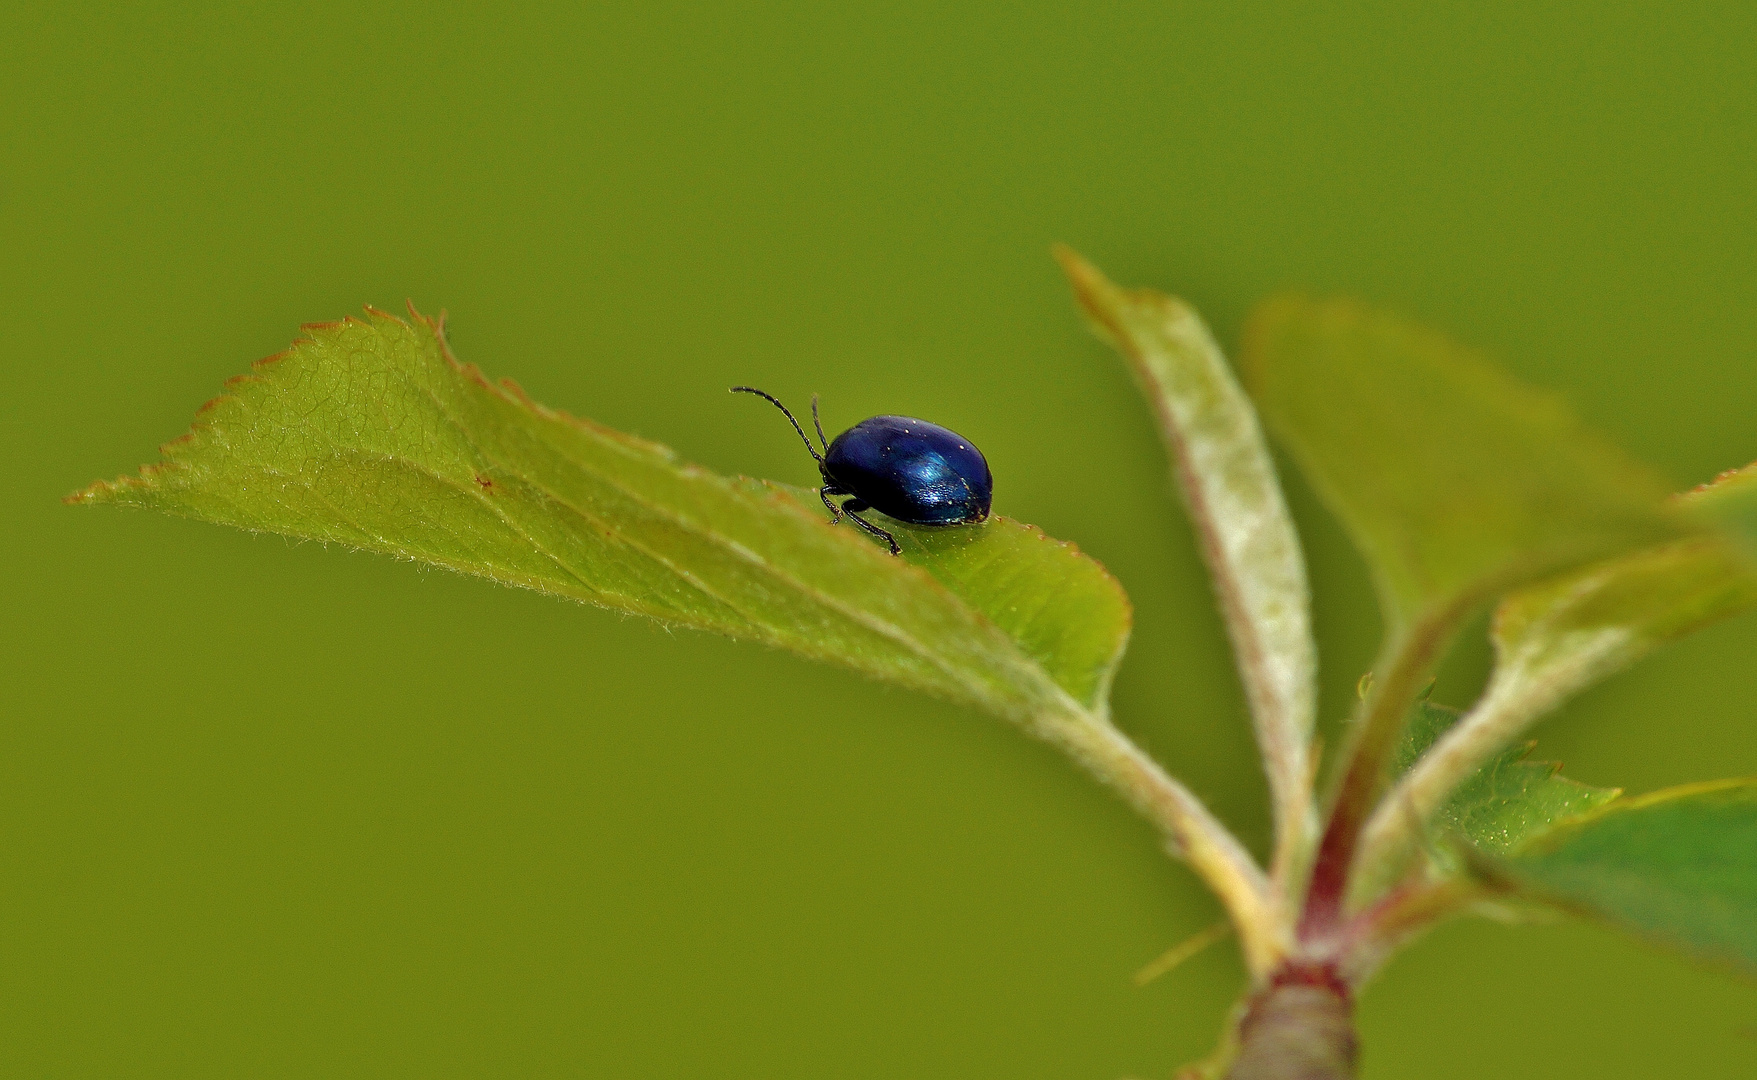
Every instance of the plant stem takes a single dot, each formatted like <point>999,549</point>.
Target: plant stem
<point>1399,917</point>
<point>1299,1027</point>
<point>1410,656</point>
<point>1191,830</point>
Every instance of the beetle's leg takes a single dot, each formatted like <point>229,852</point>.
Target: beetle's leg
<point>824,493</point>
<point>851,508</point>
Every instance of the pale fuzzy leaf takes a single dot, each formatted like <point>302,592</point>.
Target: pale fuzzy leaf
<point>1247,537</point>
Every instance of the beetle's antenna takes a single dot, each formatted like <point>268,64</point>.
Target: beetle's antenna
<point>816,423</point>
<point>810,449</point>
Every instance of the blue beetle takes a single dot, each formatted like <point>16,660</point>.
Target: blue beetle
<point>908,469</point>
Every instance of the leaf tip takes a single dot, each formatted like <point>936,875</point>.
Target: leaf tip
<point>1076,266</point>
<point>112,491</point>
<point>1096,294</point>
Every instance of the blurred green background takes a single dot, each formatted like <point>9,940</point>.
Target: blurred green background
<point>273,810</point>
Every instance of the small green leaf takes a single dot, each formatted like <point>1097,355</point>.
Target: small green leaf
<point>369,434</point>
<point>1427,722</point>
<point>1455,480</point>
<point>1678,865</point>
<point>1507,801</point>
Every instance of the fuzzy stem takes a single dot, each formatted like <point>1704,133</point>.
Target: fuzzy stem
<point>1299,1027</point>
<point>1410,656</point>
<point>1399,917</point>
<point>1192,831</point>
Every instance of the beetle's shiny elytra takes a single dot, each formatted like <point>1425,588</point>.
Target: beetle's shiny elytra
<point>908,469</point>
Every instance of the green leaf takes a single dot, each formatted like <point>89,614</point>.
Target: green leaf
<point>1455,480</point>
<point>1556,637</point>
<point>1679,866</point>
<point>1507,801</point>
<point>369,434</point>
<point>1227,477</point>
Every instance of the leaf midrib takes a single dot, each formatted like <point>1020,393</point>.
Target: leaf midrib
<point>882,627</point>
